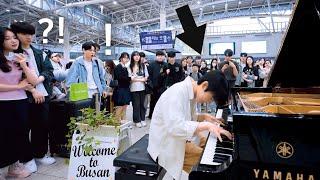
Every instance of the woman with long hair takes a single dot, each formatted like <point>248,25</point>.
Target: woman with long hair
<point>184,67</point>
<point>214,64</point>
<point>139,74</point>
<point>15,79</point>
<point>121,93</point>
<point>264,72</point>
<point>250,73</point>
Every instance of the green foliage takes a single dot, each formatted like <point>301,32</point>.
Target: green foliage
<point>93,119</point>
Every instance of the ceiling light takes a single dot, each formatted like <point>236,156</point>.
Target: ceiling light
<point>201,9</point>
<point>226,7</point>
<point>101,7</point>
<point>8,10</point>
<point>115,2</point>
<point>213,6</point>
<point>239,2</point>
<point>198,2</point>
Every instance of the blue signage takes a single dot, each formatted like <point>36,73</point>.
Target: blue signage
<point>156,40</point>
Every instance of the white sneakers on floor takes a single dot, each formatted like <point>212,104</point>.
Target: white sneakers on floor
<point>143,123</point>
<point>18,170</point>
<point>31,166</point>
<point>46,160</point>
<point>139,125</point>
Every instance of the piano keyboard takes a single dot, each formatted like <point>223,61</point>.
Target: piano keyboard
<point>216,152</point>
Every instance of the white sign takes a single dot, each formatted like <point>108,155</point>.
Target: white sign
<point>98,164</point>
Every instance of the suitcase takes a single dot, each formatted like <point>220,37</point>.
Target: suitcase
<point>59,116</point>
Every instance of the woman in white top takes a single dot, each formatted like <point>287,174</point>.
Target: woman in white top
<point>139,75</point>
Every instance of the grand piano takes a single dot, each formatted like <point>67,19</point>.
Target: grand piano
<point>275,128</point>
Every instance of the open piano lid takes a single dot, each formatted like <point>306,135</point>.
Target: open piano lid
<point>298,61</point>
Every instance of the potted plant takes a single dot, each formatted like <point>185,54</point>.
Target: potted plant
<point>95,123</point>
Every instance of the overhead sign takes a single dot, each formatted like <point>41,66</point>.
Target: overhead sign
<point>97,164</point>
<point>156,40</point>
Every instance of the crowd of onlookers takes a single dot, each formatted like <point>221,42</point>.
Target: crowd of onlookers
<point>30,79</point>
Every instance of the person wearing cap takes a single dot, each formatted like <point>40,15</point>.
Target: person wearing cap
<point>243,61</point>
<point>156,76</point>
<point>175,123</point>
<point>229,68</point>
<point>174,72</point>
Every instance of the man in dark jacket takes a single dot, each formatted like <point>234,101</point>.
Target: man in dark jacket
<point>156,75</point>
<point>173,71</point>
<point>39,107</point>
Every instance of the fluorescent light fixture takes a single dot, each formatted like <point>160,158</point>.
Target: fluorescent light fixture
<point>198,2</point>
<point>239,2</point>
<point>8,10</point>
<point>115,2</point>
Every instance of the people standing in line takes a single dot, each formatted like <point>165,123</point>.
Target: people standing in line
<point>38,119</point>
<point>87,69</point>
<point>121,93</point>
<point>250,73</point>
<point>156,75</point>
<point>139,75</point>
<point>173,71</point>
<point>229,68</point>
<point>243,63</point>
<point>15,79</point>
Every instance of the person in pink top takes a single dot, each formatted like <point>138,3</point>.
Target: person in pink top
<point>15,78</point>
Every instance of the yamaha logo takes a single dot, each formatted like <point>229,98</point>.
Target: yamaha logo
<point>284,150</point>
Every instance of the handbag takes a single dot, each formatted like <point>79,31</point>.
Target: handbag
<point>78,91</point>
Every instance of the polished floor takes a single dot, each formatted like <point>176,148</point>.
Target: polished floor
<point>59,170</point>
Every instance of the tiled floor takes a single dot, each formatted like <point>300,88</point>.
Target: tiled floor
<point>59,170</point>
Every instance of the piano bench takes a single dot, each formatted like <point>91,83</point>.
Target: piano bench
<point>136,164</point>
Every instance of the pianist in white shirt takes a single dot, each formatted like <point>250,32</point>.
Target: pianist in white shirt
<point>174,121</point>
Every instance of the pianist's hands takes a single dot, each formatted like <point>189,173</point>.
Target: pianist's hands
<point>210,118</point>
<point>218,131</point>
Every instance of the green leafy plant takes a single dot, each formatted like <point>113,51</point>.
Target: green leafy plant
<point>93,120</point>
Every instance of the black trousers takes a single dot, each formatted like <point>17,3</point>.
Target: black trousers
<point>153,101</point>
<point>38,124</point>
<point>139,110</point>
<point>13,138</point>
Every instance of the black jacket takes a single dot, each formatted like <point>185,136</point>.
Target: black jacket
<point>157,74</point>
<point>121,74</point>
<point>45,69</point>
<point>176,74</point>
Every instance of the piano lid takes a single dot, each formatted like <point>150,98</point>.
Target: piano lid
<point>298,61</point>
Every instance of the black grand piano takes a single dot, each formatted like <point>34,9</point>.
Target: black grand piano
<point>276,129</point>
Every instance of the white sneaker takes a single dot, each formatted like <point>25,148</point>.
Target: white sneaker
<point>143,123</point>
<point>17,170</point>
<point>31,166</point>
<point>46,160</point>
<point>138,125</point>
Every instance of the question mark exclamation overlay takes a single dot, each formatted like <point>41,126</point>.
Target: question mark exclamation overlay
<point>47,30</point>
<point>108,38</point>
<point>61,28</point>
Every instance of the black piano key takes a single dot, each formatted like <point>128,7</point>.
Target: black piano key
<point>225,145</point>
<point>221,156</point>
<point>219,160</point>
<point>224,151</point>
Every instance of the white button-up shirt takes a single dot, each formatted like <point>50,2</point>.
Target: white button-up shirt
<point>172,125</point>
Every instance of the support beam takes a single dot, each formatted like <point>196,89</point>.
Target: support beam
<point>270,11</point>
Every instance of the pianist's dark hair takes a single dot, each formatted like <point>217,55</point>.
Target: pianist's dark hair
<point>218,84</point>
